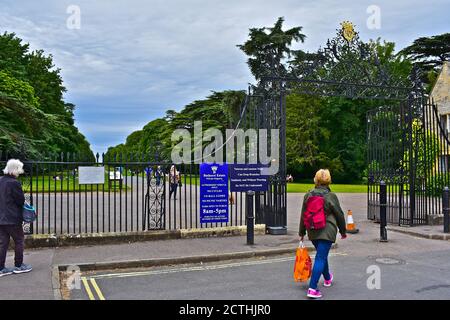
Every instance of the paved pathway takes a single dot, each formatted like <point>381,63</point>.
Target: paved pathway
<point>352,258</point>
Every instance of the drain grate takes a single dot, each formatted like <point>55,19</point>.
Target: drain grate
<point>387,260</point>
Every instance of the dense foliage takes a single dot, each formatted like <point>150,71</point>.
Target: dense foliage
<point>34,118</point>
<point>429,53</point>
<point>269,46</point>
<point>321,131</point>
<point>220,110</point>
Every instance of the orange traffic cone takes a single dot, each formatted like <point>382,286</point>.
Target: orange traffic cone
<point>351,226</point>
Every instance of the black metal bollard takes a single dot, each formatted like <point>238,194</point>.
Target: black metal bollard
<point>383,207</point>
<point>250,217</point>
<point>446,209</point>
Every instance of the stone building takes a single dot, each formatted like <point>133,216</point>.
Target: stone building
<point>441,95</point>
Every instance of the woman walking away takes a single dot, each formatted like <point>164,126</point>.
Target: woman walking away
<point>174,180</point>
<point>321,217</point>
<point>12,200</point>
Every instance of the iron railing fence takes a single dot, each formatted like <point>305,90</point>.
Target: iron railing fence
<point>408,149</point>
<point>137,195</point>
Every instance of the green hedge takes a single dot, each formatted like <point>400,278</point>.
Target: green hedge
<point>435,184</point>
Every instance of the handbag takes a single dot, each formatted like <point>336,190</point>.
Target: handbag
<point>29,213</point>
<point>303,264</point>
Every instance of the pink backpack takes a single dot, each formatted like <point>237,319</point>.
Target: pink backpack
<point>314,217</point>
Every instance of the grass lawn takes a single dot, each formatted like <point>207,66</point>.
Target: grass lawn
<point>47,184</point>
<point>344,188</point>
<point>305,187</point>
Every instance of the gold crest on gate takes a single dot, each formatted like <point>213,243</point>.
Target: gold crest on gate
<point>348,30</point>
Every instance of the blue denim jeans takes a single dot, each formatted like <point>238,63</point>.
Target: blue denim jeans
<point>320,262</point>
<point>173,189</point>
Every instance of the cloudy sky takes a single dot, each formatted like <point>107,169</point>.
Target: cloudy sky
<point>131,60</point>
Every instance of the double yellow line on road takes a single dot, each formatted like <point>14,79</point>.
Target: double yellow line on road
<point>94,284</point>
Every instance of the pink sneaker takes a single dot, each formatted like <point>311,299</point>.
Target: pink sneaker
<point>327,283</point>
<point>315,294</point>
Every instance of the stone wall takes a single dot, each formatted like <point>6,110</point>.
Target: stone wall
<point>441,90</point>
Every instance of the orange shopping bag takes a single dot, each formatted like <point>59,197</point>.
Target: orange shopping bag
<point>303,265</point>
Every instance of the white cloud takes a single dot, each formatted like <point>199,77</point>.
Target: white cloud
<point>146,56</point>
<point>95,127</point>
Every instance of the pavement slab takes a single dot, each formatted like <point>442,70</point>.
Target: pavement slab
<point>36,285</point>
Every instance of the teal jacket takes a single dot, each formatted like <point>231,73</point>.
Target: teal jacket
<point>334,214</point>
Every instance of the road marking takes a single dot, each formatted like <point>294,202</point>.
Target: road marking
<point>95,286</point>
<point>88,289</point>
<point>97,289</point>
<point>198,268</point>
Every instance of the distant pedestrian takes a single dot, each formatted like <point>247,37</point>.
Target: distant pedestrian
<point>158,175</point>
<point>12,200</point>
<point>148,172</point>
<point>321,217</point>
<point>174,181</point>
<point>149,175</point>
<point>231,198</point>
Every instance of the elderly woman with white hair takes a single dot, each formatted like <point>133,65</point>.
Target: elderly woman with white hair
<point>12,200</point>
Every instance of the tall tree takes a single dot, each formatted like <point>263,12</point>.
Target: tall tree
<point>219,110</point>
<point>269,47</point>
<point>429,52</point>
<point>47,82</point>
<point>13,55</point>
<point>305,134</point>
<point>31,88</point>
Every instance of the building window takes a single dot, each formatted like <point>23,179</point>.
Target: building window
<point>444,161</point>
<point>447,123</point>
<point>444,123</point>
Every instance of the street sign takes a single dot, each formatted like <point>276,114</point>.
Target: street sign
<point>213,193</point>
<point>248,177</point>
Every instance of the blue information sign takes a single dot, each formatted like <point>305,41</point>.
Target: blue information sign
<point>213,193</point>
<point>248,177</point>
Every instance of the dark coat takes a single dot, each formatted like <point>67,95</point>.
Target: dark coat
<point>334,216</point>
<point>11,201</point>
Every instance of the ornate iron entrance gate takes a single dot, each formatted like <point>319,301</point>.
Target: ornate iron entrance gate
<point>407,146</point>
<point>408,149</point>
<point>266,111</point>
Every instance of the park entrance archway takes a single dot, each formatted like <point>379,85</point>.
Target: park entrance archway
<point>407,147</point>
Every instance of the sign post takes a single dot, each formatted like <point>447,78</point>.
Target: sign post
<point>248,178</point>
<point>250,218</point>
<point>383,205</point>
<point>446,209</point>
<point>213,193</point>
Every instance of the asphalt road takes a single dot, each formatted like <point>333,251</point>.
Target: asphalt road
<point>421,270</point>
